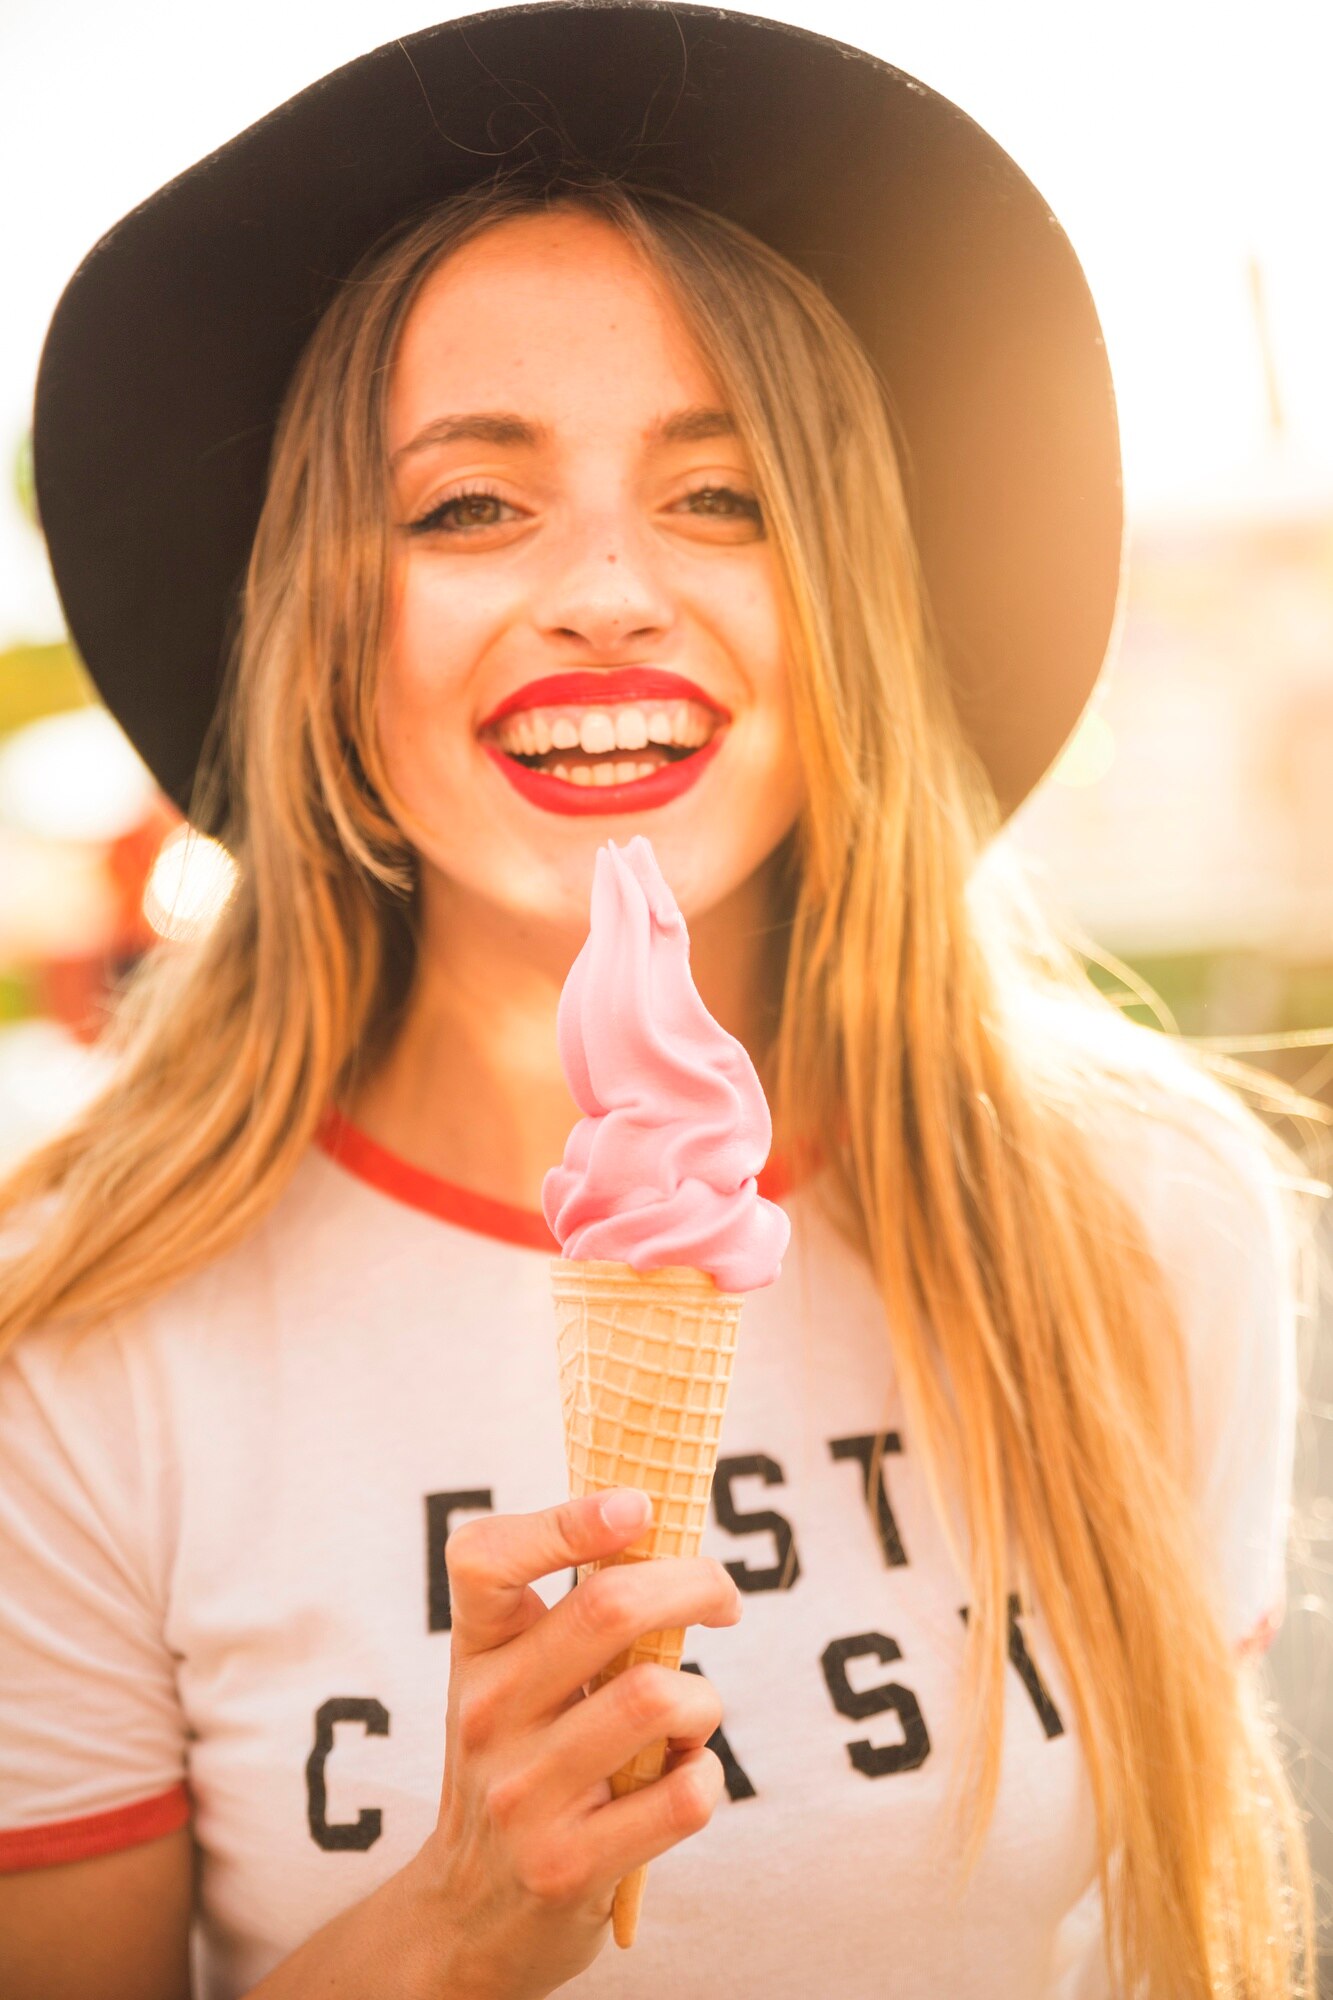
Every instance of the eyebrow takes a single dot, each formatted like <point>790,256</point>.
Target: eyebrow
<point>506,427</point>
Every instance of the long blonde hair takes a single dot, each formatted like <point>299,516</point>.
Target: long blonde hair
<point>1039,1356</point>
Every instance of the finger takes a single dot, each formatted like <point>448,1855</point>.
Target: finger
<point>647,1704</point>
<point>492,1560</point>
<point>586,1630</point>
<point>624,1833</point>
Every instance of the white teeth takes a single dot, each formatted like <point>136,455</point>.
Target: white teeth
<point>688,726</point>
<point>625,772</point>
<point>597,732</point>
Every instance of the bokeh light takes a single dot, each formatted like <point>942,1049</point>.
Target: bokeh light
<point>73,777</point>
<point>189,885</point>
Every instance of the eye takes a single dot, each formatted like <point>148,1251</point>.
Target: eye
<point>462,513</point>
<point>479,508</point>
<point>724,503</point>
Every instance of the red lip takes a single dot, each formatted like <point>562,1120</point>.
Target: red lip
<point>611,687</point>
<point>557,795</point>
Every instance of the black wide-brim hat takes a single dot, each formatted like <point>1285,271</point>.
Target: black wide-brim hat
<point>169,352</point>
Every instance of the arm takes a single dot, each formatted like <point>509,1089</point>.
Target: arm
<point>117,1925</point>
<point>390,1943</point>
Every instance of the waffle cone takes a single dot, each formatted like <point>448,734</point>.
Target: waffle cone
<point>645,1365</point>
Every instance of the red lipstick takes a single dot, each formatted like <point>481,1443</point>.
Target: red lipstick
<point>606,687</point>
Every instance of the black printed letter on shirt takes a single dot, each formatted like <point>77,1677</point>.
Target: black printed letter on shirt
<point>1022,1662</point>
<point>738,1779</point>
<point>862,1451</point>
<point>364,1831</point>
<point>787,1566</point>
<point>440,1510</point>
<point>872,1761</point>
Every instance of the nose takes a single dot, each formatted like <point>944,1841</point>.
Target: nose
<point>605,588</point>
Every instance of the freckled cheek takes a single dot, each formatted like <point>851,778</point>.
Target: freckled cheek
<point>425,695</point>
<point>436,647</point>
<point>762,644</point>
<point>765,653</point>
<point>758,639</point>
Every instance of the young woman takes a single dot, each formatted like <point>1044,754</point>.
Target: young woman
<point>576,476</point>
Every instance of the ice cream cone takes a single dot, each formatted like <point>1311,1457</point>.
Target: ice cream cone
<point>645,1364</point>
<point>662,1229</point>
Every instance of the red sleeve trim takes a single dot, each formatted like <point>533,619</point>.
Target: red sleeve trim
<point>98,1833</point>
<point>1263,1635</point>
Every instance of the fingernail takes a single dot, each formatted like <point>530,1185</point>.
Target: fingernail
<point>626,1507</point>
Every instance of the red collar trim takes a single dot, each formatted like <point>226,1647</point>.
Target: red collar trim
<point>359,1154</point>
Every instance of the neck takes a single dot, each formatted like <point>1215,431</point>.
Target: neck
<point>472,1089</point>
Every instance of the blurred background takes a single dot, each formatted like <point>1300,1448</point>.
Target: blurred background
<point>1188,828</point>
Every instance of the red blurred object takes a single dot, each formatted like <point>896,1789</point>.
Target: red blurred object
<point>75,989</point>
<point>129,863</point>
<point>74,992</point>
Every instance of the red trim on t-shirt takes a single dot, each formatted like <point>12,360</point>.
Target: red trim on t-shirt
<point>415,1188</point>
<point>379,1168</point>
<point>97,1833</point>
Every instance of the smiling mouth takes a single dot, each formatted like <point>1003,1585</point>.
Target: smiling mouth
<point>600,746</point>
<point>610,767</point>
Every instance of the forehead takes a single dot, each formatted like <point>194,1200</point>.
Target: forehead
<point>555,314</point>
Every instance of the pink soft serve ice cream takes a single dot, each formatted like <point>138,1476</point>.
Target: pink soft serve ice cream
<point>662,1167</point>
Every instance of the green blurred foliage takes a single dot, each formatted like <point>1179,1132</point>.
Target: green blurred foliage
<point>37,680</point>
<point>1238,995</point>
<point>40,680</point>
<point>1234,993</point>
<point>25,489</point>
<point>16,998</point>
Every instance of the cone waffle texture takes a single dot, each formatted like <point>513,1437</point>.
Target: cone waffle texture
<point>646,1360</point>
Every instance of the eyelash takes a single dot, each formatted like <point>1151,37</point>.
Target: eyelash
<point>433,522</point>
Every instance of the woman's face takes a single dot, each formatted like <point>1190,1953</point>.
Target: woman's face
<point>585,635</point>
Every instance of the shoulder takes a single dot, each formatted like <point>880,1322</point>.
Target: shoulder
<point>1197,1166</point>
<point>1228,1215</point>
<point>1222,1199</point>
<point>304,1230</point>
<point>1225,1209</point>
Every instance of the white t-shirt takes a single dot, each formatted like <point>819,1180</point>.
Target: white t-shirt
<point>223,1595</point>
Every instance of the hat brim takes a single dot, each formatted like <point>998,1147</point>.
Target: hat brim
<point>171,347</point>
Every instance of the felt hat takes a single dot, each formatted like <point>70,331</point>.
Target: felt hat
<point>167,357</point>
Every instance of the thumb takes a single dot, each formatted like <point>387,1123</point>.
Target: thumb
<point>492,1560</point>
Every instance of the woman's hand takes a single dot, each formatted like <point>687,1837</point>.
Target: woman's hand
<point>522,1865</point>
